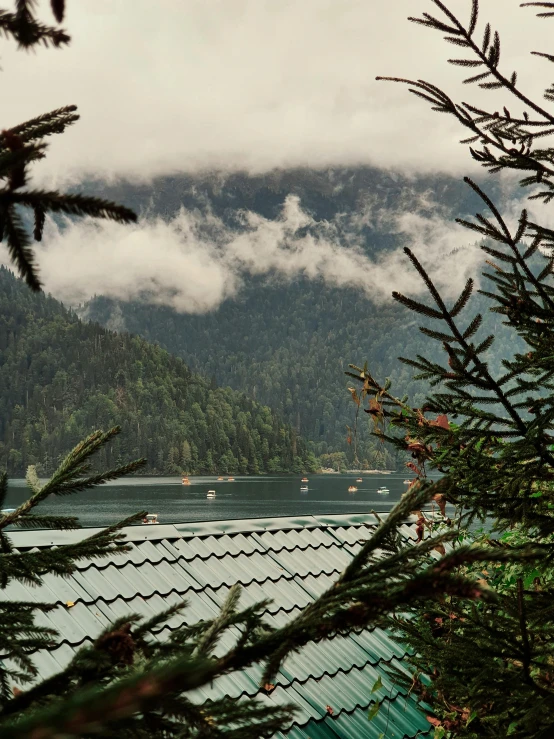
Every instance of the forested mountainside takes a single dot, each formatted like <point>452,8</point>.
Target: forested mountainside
<point>287,344</point>
<point>61,378</point>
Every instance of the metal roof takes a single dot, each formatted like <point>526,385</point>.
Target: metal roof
<point>290,560</point>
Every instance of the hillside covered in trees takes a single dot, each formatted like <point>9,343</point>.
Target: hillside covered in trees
<point>287,346</point>
<point>287,342</point>
<point>61,378</point>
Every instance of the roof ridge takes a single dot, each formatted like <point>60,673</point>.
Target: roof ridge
<point>30,538</point>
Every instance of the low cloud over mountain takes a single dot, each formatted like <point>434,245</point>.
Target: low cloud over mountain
<point>196,260</point>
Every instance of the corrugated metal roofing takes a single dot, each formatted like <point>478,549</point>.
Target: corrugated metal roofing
<point>290,560</point>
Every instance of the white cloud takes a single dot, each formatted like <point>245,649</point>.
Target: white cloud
<point>166,87</point>
<point>195,261</point>
<point>169,87</point>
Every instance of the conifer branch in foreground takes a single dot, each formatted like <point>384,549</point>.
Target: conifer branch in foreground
<point>485,667</point>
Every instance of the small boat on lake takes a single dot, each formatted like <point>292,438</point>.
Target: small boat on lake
<point>304,489</point>
<point>383,490</point>
<point>150,518</point>
<point>304,479</point>
<point>211,494</point>
<point>230,479</point>
<point>185,481</point>
<point>407,482</point>
<point>219,478</point>
<point>352,489</point>
<point>359,479</point>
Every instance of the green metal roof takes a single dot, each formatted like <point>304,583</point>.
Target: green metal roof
<point>290,560</point>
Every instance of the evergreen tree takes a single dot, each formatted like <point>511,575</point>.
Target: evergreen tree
<point>487,667</point>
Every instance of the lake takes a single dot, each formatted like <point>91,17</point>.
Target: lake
<point>247,497</point>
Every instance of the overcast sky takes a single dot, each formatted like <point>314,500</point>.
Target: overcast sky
<point>169,86</point>
<point>179,85</point>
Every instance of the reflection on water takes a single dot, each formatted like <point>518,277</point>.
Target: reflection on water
<point>247,497</point>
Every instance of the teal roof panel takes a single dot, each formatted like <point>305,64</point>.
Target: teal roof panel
<point>312,561</point>
<point>327,657</point>
<point>350,534</point>
<point>289,561</point>
<point>379,645</point>
<point>317,585</point>
<point>295,539</point>
<point>285,594</point>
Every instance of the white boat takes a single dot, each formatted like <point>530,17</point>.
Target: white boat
<point>303,488</point>
<point>211,494</point>
<point>383,491</point>
<point>407,482</point>
<point>352,489</point>
<point>150,518</point>
<point>359,479</point>
<point>304,479</point>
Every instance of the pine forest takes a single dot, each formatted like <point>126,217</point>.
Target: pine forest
<point>61,378</point>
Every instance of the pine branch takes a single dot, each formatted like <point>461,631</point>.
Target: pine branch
<point>462,301</point>
<point>15,159</point>
<point>55,121</point>
<point>68,478</point>
<point>503,129</point>
<point>491,61</point>
<point>16,153</point>
<point>28,32</point>
<point>437,335</point>
<point>540,5</point>
<point>463,343</point>
<point>473,326</point>
<point>19,247</point>
<point>29,566</point>
<point>77,205</point>
<point>211,636</point>
<point>416,306</point>
<point>31,521</point>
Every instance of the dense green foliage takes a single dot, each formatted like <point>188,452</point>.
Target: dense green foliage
<point>61,378</point>
<point>485,668</point>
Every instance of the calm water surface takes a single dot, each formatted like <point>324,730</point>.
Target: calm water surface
<point>247,497</point>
